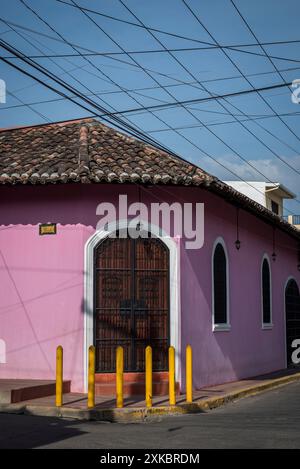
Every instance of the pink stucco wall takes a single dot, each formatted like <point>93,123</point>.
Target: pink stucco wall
<point>41,283</point>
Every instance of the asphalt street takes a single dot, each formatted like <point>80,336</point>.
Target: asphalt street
<point>268,420</point>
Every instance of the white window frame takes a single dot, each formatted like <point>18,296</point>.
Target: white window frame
<point>284,309</point>
<point>266,325</point>
<point>223,326</point>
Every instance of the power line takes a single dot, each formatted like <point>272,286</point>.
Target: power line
<point>84,48</point>
<point>106,116</point>
<point>115,42</point>
<point>132,58</point>
<point>150,88</point>
<point>151,51</point>
<point>133,65</point>
<point>77,67</point>
<point>208,155</point>
<point>157,107</point>
<point>176,59</point>
<point>143,110</point>
<point>269,58</point>
<point>208,128</point>
<point>214,124</point>
<point>199,121</point>
<point>249,116</point>
<point>45,118</point>
<point>239,70</point>
<point>212,46</point>
<point>85,58</point>
<point>247,162</point>
<point>136,65</point>
<point>67,72</point>
<point>14,50</point>
<point>116,117</point>
<point>62,38</point>
<point>285,59</point>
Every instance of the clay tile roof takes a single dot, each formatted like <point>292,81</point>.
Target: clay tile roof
<point>87,151</point>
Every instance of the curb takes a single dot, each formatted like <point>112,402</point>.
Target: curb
<point>142,414</point>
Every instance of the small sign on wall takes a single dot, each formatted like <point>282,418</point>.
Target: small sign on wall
<point>47,229</point>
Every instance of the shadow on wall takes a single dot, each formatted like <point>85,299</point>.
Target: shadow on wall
<point>69,204</point>
<point>246,349</point>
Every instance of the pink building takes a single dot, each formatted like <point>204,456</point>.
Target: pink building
<point>234,298</point>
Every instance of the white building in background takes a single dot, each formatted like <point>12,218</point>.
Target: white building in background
<point>269,194</point>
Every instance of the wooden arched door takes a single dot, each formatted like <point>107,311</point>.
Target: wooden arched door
<point>292,315</point>
<point>131,302</point>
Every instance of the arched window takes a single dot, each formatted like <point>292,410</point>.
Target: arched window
<point>220,288</point>
<point>266,290</point>
<point>292,318</point>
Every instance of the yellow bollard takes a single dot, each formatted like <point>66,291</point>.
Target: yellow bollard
<point>91,377</point>
<point>59,377</point>
<point>172,395</point>
<point>189,374</point>
<point>148,361</point>
<point>119,376</point>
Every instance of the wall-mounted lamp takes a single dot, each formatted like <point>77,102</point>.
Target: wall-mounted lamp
<point>237,242</point>
<point>274,255</point>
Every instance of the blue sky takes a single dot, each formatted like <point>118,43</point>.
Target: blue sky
<point>104,78</point>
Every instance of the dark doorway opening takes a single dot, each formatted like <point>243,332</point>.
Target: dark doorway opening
<point>292,314</point>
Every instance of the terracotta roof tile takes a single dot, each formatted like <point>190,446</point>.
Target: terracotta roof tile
<point>87,151</point>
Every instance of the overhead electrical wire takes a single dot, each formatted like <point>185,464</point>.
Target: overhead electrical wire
<point>176,155</point>
<point>270,60</point>
<point>107,77</point>
<point>128,63</point>
<point>259,93</point>
<point>240,71</point>
<point>116,117</point>
<point>172,95</point>
<point>250,117</point>
<point>106,115</point>
<point>201,122</point>
<point>149,108</point>
<point>168,33</point>
<point>13,65</point>
<point>183,136</point>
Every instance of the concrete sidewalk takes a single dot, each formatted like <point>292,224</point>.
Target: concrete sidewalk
<point>75,404</point>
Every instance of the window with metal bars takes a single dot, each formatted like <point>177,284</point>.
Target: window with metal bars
<point>220,282</point>
<point>266,292</point>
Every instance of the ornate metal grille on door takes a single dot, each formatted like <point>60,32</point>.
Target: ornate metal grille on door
<point>131,302</point>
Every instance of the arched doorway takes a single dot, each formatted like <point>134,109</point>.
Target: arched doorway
<point>292,315</point>
<point>131,302</point>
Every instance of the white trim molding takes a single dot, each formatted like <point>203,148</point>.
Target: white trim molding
<point>222,326</point>
<point>173,245</point>
<point>267,325</point>
<point>2,351</point>
<point>284,310</point>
